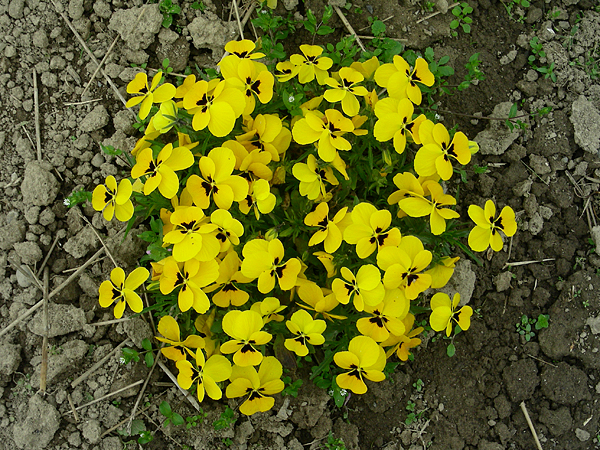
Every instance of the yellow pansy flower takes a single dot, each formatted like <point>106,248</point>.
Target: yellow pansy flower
<point>369,230</point>
<point>191,276</point>
<point>229,276</point>
<point>160,173</point>
<point>192,236</point>
<point>385,317</point>
<point>364,288</point>
<point>244,327</point>
<point>177,349</point>
<point>364,359</point>
<point>120,290</point>
<point>228,230</point>
<point>331,231</point>
<point>487,231</point>
<point>165,118</point>
<point>401,81</point>
<point>269,309</point>
<point>306,330</point>
<point>215,106</point>
<point>321,301</point>
<point>444,312</point>
<point>259,198</point>
<point>264,260</point>
<point>437,152</point>
<point>312,64</point>
<point>207,373</point>
<point>395,121</point>
<point>216,180</point>
<point>367,68</point>
<point>114,200</point>
<point>442,271</point>
<point>403,343</point>
<point>285,71</point>
<point>257,386</point>
<point>419,206</point>
<point>312,176</point>
<point>403,266</point>
<point>327,130</point>
<point>346,89</point>
<point>266,133</point>
<point>253,80</point>
<point>327,260</point>
<point>148,94</point>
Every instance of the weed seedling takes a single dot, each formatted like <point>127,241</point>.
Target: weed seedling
<point>334,443</point>
<point>168,9</point>
<point>526,326</point>
<point>225,421</point>
<point>461,12</point>
<point>171,417</point>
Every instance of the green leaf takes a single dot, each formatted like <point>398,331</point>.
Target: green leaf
<point>542,322</point>
<point>338,397</point>
<point>325,30</point>
<point>378,28</point>
<point>456,11</point>
<point>443,60</point>
<point>129,355</point>
<point>454,24</point>
<point>137,427</point>
<point>165,409</point>
<point>429,55</point>
<point>450,350</point>
<point>149,359</point>
<point>147,345</point>
<point>145,437</point>
<point>466,28</point>
<point>177,419</point>
<point>167,21</point>
<point>327,13</point>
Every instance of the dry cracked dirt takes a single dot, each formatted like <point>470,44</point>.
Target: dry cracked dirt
<point>548,172</point>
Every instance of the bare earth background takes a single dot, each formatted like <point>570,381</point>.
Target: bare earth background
<point>549,173</point>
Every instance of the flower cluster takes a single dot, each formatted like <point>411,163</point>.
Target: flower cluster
<point>270,192</point>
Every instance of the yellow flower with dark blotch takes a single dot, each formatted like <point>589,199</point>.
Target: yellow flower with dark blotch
<point>269,309</point>
<point>145,141</point>
<point>228,229</point>
<point>327,260</point>
<point>187,84</point>
<point>113,200</point>
<point>340,165</point>
<point>148,94</point>
<point>306,331</point>
<point>320,300</point>
<point>408,186</point>
<point>259,198</point>
<point>401,81</point>
<point>165,118</point>
<point>192,236</point>
<point>243,49</point>
<point>253,165</point>
<point>185,199</point>
<point>120,290</point>
<point>395,121</point>
<point>244,327</point>
<point>266,133</point>
<point>257,386</point>
<point>487,231</point>
<point>216,180</point>
<point>203,324</point>
<point>364,288</point>
<point>207,373</point>
<point>363,359</point>
<point>327,130</point>
<point>191,276</point>
<point>161,173</point>
<point>358,121</point>
<point>444,312</point>
<point>345,90</point>
<point>369,230</point>
<point>215,106</point>
<point>442,271</point>
<point>177,349</point>
<point>403,343</point>
<point>367,68</point>
<point>229,277</point>
<point>435,208</point>
<point>264,260</point>
<point>403,266</point>
<point>331,231</point>
<point>312,178</point>
<point>285,71</point>
<point>312,64</point>
<point>253,80</point>
<point>435,157</point>
<point>386,317</point>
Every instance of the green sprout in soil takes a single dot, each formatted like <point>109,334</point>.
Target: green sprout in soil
<point>461,12</point>
<point>526,326</point>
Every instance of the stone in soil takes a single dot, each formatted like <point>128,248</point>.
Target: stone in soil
<point>586,121</point>
<point>36,430</point>
<point>62,319</point>
<point>565,384</point>
<point>496,139</point>
<point>39,186</point>
<point>79,245</point>
<point>208,32</point>
<point>520,379</point>
<point>10,358</point>
<point>66,359</point>
<point>138,36</point>
<point>96,119</point>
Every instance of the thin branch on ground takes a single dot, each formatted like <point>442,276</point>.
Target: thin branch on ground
<point>349,27</point>
<point>109,322</point>
<point>530,423</point>
<point>45,261</point>
<point>29,275</point>
<point>142,391</point>
<point>110,394</point>
<point>437,12</point>
<point>38,138</point>
<point>46,327</point>
<point>72,405</point>
<point>93,77</point>
<point>99,238</point>
<point>237,16</point>
<point>524,263</point>
<point>82,103</point>
<point>369,26</point>
<point>541,360</point>
<point>185,393</point>
<point>99,364</point>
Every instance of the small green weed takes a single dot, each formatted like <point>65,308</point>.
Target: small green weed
<point>199,5</point>
<point>78,197</point>
<point>334,443</point>
<point>520,17</point>
<point>319,28</point>
<point>225,421</point>
<point>171,417</point>
<point>130,354</point>
<point>537,50</point>
<point>168,10</point>
<point>461,12</point>
<point>138,428</point>
<point>526,326</point>
<point>193,421</point>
